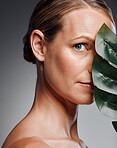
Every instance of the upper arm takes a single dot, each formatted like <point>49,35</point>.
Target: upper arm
<point>29,143</point>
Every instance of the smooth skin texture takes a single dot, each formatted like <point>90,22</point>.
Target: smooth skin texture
<point>64,80</point>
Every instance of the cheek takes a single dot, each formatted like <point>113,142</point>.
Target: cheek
<point>62,70</point>
<point>65,64</point>
<point>57,66</point>
<point>59,71</point>
<point>63,67</point>
<point>72,65</point>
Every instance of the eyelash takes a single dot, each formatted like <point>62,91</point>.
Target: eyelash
<point>84,44</point>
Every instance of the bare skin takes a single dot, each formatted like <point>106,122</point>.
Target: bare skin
<point>64,81</point>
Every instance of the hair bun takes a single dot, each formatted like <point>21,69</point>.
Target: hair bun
<point>28,54</point>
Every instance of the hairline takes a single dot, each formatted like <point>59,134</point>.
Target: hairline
<point>61,21</point>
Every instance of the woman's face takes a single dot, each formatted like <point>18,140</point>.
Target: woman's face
<point>68,59</point>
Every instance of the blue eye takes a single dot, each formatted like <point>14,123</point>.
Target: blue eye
<point>80,46</point>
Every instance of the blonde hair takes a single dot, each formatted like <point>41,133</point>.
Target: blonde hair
<point>47,15</point>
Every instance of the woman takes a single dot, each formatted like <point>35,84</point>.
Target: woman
<point>61,42</point>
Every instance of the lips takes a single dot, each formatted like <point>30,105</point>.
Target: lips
<point>87,84</point>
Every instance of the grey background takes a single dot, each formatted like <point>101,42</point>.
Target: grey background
<point>18,79</point>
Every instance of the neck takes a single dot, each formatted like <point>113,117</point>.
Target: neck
<point>57,114</point>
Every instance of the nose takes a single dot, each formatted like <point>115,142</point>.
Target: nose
<point>91,61</point>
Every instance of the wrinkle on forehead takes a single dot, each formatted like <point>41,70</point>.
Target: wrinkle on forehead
<point>85,21</point>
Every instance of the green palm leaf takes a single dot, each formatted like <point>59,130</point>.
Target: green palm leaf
<point>106,102</point>
<point>106,44</point>
<point>104,75</point>
<point>104,72</point>
<point>115,125</point>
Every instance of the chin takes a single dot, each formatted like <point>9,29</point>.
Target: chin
<point>88,101</point>
<point>83,100</point>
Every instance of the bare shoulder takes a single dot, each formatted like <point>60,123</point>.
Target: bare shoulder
<point>31,142</point>
<point>22,136</point>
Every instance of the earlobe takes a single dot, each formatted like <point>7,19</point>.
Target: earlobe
<point>37,44</point>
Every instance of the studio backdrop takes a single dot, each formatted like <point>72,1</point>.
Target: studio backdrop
<point>18,79</point>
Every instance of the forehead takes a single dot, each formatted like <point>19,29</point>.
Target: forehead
<point>85,21</point>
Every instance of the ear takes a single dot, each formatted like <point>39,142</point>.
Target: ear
<point>38,44</point>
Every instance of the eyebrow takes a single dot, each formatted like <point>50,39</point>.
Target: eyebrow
<point>85,37</point>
